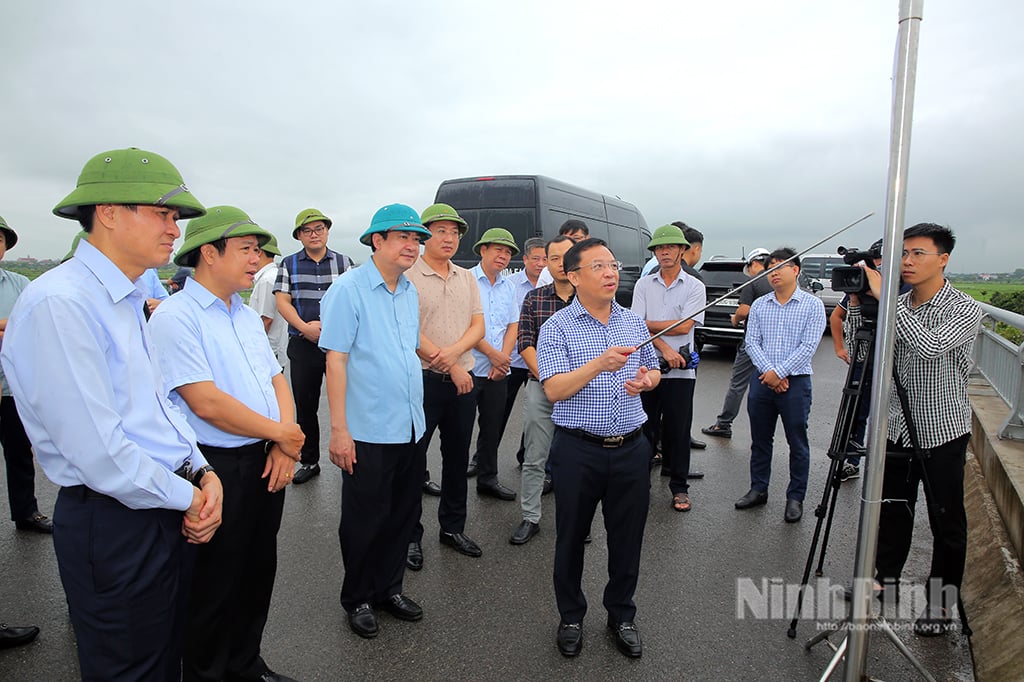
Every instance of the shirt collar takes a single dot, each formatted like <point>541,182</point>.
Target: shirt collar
<point>305,256</point>
<point>205,298</point>
<point>681,277</point>
<point>478,273</point>
<point>577,310</point>
<point>118,286</point>
<point>377,279</point>
<point>266,267</point>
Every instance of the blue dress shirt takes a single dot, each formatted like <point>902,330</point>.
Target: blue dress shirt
<point>785,337</point>
<point>380,331</point>
<point>151,286</point>
<point>77,354</point>
<point>571,338</point>
<point>198,339</point>
<point>500,310</point>
<point>523,286</point>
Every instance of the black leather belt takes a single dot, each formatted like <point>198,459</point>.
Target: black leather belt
<point>603,441</point>
<point>437,376</point>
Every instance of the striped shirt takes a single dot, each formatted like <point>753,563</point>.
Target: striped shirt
<point>784,337</point>
<point>571,339</point>
<point>307,280</point>
<point>932,357</point>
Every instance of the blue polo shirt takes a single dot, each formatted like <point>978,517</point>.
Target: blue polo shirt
<point>78,355</point>
<point>199,339</point>
<point>500,310</point>
<point>380,331</point>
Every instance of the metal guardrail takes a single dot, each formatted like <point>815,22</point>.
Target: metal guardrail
<point>1002,364</point>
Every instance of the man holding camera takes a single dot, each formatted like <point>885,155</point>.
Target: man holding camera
<point>661,300</point>
<point>935,330</point>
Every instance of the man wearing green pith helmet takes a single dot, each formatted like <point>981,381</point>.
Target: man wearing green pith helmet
<point>134,485</point>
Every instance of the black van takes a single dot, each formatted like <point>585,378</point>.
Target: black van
<point>536,206</point>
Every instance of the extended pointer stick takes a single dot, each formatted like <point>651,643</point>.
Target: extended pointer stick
<point>752,280</point>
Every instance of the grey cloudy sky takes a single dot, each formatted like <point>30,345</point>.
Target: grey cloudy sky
<point>759,123</point>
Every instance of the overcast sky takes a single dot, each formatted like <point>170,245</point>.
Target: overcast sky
<point>761,124</point>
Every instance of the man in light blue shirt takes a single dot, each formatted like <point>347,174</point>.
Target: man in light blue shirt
<point>135,487</point>
<point>21,470</point>
<point>221,372</point>
<point>492,356</point>
<point>783,332</point>
<point>370,331</point>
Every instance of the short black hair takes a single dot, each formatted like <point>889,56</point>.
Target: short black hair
<point>86,214</point>
<point>693,235</point>
<point>573,225</point>
<point>943,237</point>
<point>555,240</point>
<point>784,253</point>
<point>571,259</point>
<point>191,259</point>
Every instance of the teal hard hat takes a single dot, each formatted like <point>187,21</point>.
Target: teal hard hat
<point>10,236</point>
<point>395,218</point>
<point>130,176</point>
<point>496,235</point>
<point>220,222</point>
<point>667,234</point>
<point>436,212</point>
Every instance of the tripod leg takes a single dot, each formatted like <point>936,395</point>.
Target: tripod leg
<point>834,663</point>
<point>831,513</point>
<point>898,643</point>
<point>826,631</point>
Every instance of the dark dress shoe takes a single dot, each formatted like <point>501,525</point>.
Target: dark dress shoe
<point>471,470</point>
<point>570,639</point>
<point>432,489</point>
<point>496,490</point>
<point>461,544</point>
<point>37,523</point>
<point>627,638</point>
<point>697,444</point>
<point>548,486</point>
<point>587,540</point>
<point>363,621</point>
<point>414,556</point>
<point>794,510</point>
<point>15,636</point>
<point>695,474</point>
<point>402,608</point>
<point>753,498</point>
<point>305,472</point>
<point>717,431</point>
<point>525,531</point>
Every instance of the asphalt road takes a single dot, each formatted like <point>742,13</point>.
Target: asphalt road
<point>494,618</point>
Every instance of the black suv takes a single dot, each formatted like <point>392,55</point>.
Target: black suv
<point>720,276</point>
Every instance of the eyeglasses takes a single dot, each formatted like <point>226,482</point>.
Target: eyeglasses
<point>445,232</point>
<point>307,231</point>
<point>917,254</point>
<point>598,266</point>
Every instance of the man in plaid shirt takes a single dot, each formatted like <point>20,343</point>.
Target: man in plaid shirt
<point>935,330</point>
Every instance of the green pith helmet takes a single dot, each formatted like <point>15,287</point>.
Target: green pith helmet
<point>394,217</point>
<point>437,212</point>
<point>497,235</point>
<point>667,234</point>
<point>130,176</point>
<point>307,216</point>
<point>271,246</point>
<point>10,236</point>
<point>74,245</point>
<point>220,222</point>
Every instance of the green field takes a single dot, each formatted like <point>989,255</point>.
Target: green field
<point>983,291</point>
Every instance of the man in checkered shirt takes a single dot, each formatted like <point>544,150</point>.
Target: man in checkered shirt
<point>935,330</point>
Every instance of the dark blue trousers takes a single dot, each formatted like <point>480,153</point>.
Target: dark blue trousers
<point>21,471</point>
<point>587,474</point>
<point>669,409</point>
<point>765,408</point>
<point>126,573</point>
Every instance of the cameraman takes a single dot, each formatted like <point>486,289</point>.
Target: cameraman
<point>935,330</point>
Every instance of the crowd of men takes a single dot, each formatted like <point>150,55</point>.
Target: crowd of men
<point>172,431</point>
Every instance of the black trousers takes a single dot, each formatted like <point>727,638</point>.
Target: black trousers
<point>381,502</point>
<point>944,495</point>
<point>670,407</point>
<point>235,571</point>
<point>619,479</point>
<point>453,415</point>
<point>21,472</point>
<point>308,367</point>
<point>516,380</point>
<point>490,405</point>
<point>126,574</point>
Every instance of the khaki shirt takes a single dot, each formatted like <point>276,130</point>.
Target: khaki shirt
<point>447,306</point>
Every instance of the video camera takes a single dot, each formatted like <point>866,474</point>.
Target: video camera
<point>850,279</point>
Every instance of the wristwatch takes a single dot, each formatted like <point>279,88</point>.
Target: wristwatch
<point>197,475</point>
